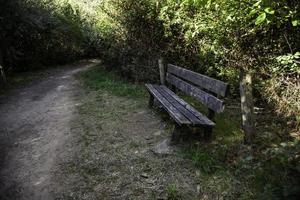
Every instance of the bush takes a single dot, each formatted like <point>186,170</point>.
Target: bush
<point>36,33</point>
<point>214,37</point>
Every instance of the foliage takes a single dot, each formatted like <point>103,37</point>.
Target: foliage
<point>218,38</point>
<point>215,37</point>
<point>135,36</point>
<point>227,169</point>
<point>43,32</point>
<point>100,80</point>
<point>269,169</point>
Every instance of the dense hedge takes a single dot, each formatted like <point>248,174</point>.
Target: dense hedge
<point>218,38</point>
<point>215,37</point>
<point>37,33</point>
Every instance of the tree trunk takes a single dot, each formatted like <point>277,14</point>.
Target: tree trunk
<point>162,71</point>
<point>2,74</point>
<point>247,105</point>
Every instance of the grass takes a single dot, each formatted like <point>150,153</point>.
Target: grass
<point>19,79</point>
<point>98,79</point>
<point>266,169</point>
<point>173,193</point>
<point>114,131</point>
<point>228,169</point>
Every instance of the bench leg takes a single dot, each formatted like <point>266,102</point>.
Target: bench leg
<point>178,133</point>
<point>198,133</point>
<point>151,100</point>
<point>208,133</point>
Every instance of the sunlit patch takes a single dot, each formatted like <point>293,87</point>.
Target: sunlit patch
<point>67,76</point>
<point>35,139</point>
<point>61,87</point>
<point>41,180</point>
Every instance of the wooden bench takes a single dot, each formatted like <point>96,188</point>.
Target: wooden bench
<point>203,88</point>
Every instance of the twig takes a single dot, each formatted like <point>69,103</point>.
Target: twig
<point>288,44</point>
<point>296,61</point>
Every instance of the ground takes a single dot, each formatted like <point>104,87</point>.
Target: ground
<point>35,134</point>
<point>80,132</point>
<point>60,141</point>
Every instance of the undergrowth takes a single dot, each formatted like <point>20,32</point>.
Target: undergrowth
<point>267,169</point>
<point>98,78</point>
<point>227,169</point>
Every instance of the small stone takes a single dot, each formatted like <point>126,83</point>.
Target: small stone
<point>148,138</point>
<point>163,148</point>
<point>144,175</point>
<point>198,189</point>
<point>157,133</point>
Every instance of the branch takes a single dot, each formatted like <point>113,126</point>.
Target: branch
<point>288,44</point>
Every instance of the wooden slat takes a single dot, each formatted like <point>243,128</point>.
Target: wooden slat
<point>208,100</point>
<point>173,112</point>
<point>204,120</point>
<point>208,83</point>
<point>178,106</point>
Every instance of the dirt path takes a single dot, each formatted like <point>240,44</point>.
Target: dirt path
<point>60,140</point>
<point>34,129</point>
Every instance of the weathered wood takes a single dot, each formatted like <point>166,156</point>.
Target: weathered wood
<point>173,112</point>
<point>208,83</point>
<point>176,134</point>
<point>207,99</point>
<point>189,115</point>
<point>151,100</point>
<point>247,107</point>
<point>203,119</point>
<point>195,85</point>
<point>162,71</point>
<point>179,134</point>
<point>211,114</point>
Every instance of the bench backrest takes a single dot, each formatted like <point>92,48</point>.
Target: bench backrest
<point>203,88</point>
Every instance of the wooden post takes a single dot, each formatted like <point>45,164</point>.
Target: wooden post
<point>247,106</point>
<point>162,71</point>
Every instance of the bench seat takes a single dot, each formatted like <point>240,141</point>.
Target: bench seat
<point>182,112</point>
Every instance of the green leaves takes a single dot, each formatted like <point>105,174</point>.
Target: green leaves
<point>278,13</point>
<point>261,18</point>
<point>269,11</point>
<point>296,22</point>
<point>287,64</point>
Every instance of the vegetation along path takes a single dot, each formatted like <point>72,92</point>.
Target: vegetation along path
<point>64,140</point>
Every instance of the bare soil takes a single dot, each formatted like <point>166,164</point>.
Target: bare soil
<point>34,131</point>
<point>60,140</point>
